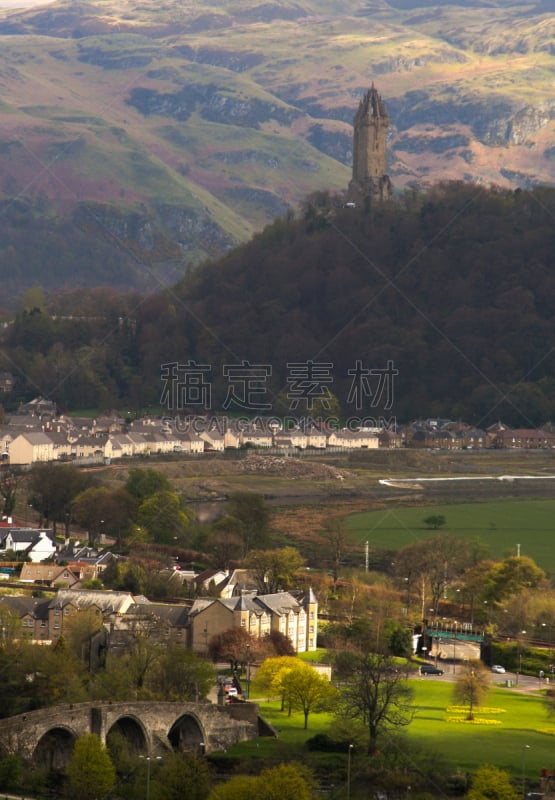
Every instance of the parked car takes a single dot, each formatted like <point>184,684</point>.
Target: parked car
<point>498,668</point>
<point>429,669</point>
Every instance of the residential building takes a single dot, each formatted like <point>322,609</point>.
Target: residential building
<point>36,544</point>
<point>49,575</point>
<point>296,618</point>
<point>31,447</point>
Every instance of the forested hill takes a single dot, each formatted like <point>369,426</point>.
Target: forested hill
<point>455,286</point>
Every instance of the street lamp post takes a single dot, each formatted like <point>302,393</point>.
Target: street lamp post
<point>148,759</point>
<point>524,749</point>
<point>248,671</point>
<point>349,772</point>
<point>454,646</point>
<point>519,658</point>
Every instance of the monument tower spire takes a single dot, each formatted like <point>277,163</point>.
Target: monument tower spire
<point>370,178</point>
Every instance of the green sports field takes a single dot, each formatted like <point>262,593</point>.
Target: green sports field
<point>501,526</point>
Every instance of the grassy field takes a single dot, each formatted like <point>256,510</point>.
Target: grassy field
<point>499,525</point>
<point>510,722</point>
<point>515,720</point>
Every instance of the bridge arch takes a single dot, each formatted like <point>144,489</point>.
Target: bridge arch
<point>54,749</point>
<point>187,733</point>
<point>133,731</point>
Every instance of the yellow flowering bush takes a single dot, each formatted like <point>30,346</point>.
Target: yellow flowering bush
<point>481,710</point>
<point>475,721</point>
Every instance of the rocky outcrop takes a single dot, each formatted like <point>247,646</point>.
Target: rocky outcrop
<point>433,144</point>
<point>238,61</point>
<point>190,228</point>
<point>213,103</point>
<point>333,143</point>
<point>493,122</point>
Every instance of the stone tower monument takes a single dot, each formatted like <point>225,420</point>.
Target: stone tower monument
<point>370,178</point>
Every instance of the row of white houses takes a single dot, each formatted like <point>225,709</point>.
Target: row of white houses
<point>31,447</point>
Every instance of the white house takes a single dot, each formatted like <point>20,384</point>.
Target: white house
<point>31,447</point>
<point>37,544</point>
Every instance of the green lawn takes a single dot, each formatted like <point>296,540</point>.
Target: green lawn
<point>516,720</point>
<point>501,526</point>
<point>523,721</point>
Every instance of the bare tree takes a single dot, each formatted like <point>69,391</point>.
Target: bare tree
<point>472,686</point>
<point>377,694</point>
<point>335,538</point>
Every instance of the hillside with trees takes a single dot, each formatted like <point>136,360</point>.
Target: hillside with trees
<point>454,286</point>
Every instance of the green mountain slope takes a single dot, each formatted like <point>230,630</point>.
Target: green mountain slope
<point>211,119</point>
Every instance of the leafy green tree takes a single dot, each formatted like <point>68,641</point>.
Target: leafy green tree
<point>274,570</point>
<point>93,509</point>
<point>9,482</point>
<point>308,691</point>
<point>11,772</point>
<point>399,638</point>
<point>144,482</point>
<point>114,682</point>
<point>491,783</point>
<point>179,770</point>
<point>472,686</point>
<point>435,521</point>
<point>57,675</point>
<point>511,576</point>
<point>241,787</point>
<point>120,752</point>
<point>180,674</point>
<point>283,782</point>
<point>163,515</point>
<point>78,630</point>
<point>90,772</point>
<point>53,489</point>
<point>267,680</point>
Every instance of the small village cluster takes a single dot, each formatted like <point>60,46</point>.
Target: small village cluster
<point>220,599</point>
<point>37,433</point>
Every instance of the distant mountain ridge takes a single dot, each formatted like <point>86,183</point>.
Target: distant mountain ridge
<point>208,121</point>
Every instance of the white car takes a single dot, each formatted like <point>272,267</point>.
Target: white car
<point>498,668</point>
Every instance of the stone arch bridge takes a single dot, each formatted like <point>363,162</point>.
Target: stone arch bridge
<point>46,737</point>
